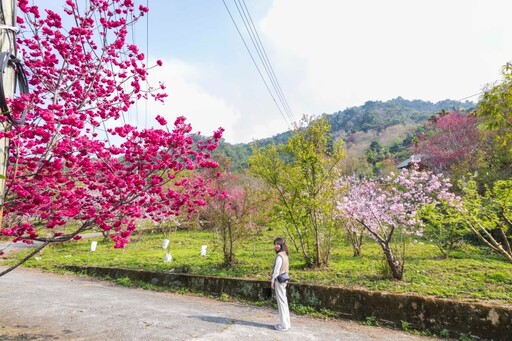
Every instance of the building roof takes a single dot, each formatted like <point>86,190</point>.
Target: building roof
<point>412,159</point>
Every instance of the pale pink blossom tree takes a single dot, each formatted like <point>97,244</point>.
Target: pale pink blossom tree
<point>387,208</point>
<point>233,212</point>
<point>66,174</point>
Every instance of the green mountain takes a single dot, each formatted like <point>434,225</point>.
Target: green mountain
<point>379,115</point>
<point>390,124</point>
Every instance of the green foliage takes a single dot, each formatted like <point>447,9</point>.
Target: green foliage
<point>401,149</point>
<point>467,338</point>
<point>300,309</point>
<point>405,326</point>
<point>301,174</point>
<point>354,234</point>
<point>375,154</point>
<point>238,154</point>
<point>383,268</point>
<point>444,334</point>
<point>125,282</point>
<point>496,163</point>
<point>372,321</point>
<point>490,210</point>
<point>444,226</point>
<point>224,297</point>
<point>328,313</point>
<point>495,107</point>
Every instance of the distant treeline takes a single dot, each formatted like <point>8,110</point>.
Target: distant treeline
<point>371,116</point>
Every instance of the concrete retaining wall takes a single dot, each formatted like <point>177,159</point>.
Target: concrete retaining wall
<point>469,319</point>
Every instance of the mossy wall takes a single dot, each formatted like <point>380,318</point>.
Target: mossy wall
<point>422,313</point>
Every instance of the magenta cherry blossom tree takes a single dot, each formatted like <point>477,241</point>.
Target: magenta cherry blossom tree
<point>387,208</point>
<point>65,170</point>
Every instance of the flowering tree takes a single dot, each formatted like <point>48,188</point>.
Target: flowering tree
<point>387,208</point>
<point>233,211</point>
<point>455,138</point>
<point>62,168</point>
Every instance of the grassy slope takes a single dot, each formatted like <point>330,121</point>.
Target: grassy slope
<point>360,141</point>
<point>471,274</point>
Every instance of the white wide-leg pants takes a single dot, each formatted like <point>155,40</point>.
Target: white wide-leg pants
<point>282,305</point>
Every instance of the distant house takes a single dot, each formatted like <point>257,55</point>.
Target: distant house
<point>408,162</point>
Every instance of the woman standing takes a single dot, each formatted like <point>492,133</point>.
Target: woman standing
<point>281,265</point>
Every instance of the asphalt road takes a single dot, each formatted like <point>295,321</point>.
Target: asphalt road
<point>35,305</point>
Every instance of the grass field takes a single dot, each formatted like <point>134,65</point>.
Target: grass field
<point>471,274</point>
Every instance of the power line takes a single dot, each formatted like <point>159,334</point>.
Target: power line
<point>266,61</point>
<point>251,29</point>
<point>288,120</point>
<point>481,92</point>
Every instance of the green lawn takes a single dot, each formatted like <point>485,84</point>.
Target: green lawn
<point>470,274</point>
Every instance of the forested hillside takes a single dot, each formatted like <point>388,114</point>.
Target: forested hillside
<point>390,124</point>
<point>377,115</point>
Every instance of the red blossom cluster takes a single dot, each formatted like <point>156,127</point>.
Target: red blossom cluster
<point>62,169</point>
<point>455,139</point>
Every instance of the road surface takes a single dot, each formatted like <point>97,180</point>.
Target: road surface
<point>43,306</point>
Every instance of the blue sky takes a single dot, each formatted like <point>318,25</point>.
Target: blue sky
<point>327,54</point>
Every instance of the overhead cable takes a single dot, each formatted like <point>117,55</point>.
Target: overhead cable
<point>481,92</point>
<point>285,117</point>
<point>264,58</point>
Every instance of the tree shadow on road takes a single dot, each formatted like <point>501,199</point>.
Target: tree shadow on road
<point>32,333</point>
<point>229,320</point>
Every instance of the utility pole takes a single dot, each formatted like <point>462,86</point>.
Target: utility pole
<point>7,51</point>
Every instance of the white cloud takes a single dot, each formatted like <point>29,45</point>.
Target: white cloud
<point>351,52</point>
<point>333,54</point>
<point>209,101</point>
<point>205,111</point>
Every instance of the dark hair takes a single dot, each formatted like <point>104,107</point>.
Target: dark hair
<point>283,245</point>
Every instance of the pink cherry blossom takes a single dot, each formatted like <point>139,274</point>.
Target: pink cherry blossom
<point>387,207</point>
